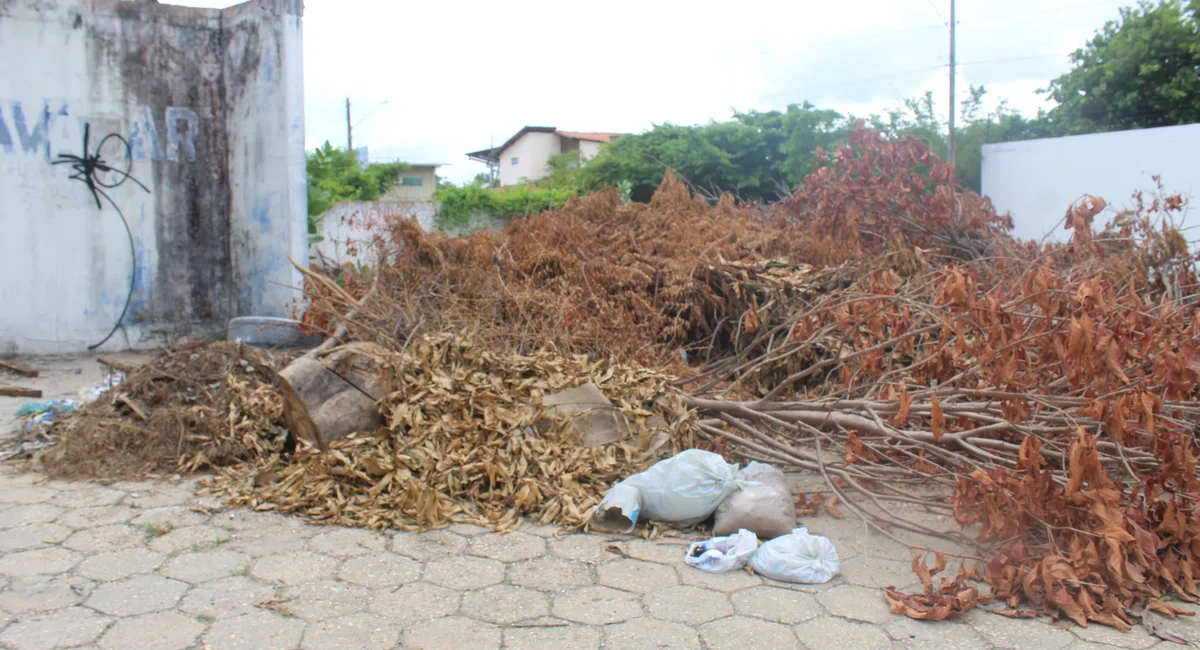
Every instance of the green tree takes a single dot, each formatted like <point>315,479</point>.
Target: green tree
<point>1140,71</point>
<point>337,175</point>
<point>756,155</point>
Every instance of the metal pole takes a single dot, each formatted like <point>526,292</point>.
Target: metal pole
<point>349,140</point>
<point>950,142</point>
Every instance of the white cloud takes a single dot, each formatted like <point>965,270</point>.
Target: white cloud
<point>460,75</point>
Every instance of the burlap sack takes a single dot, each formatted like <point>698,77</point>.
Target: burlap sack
<point>763,505</point>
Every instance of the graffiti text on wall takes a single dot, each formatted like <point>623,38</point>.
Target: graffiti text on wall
<point>42,130</point>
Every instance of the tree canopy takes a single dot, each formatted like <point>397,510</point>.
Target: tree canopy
<point>336,174</point>
<point>1140,71</point>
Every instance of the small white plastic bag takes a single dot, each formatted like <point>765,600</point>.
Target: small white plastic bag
<point>797,557</point>
<point>723,553</point>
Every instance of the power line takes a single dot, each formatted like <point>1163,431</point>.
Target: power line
<point>935,10</point>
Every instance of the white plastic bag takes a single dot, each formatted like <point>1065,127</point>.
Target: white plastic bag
<point>684,489</point>
<point>723,553</point>
<point>797,557</point>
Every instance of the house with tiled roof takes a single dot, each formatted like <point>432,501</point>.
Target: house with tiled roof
<point>524,156</point>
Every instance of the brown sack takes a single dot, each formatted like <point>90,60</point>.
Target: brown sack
<point>763,505</point>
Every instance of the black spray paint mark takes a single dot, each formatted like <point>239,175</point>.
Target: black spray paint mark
<point>88,166</point>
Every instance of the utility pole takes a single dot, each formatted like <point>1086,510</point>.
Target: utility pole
<point>950,142</point>
<point>350,141</point>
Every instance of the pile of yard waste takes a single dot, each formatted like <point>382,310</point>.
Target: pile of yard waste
<point>879,328</point>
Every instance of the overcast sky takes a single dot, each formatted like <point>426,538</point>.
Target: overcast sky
<point>458,76</point>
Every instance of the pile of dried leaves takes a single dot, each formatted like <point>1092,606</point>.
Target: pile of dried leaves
<point>468,439</point>
<point>195,406</point>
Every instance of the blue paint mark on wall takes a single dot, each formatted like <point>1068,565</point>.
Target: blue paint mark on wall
<point>6,141</point>
<point>261,213</point>
<point>42,132</point>
<point>36,137</point>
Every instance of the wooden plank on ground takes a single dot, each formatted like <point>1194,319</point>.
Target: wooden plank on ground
<point>17,391</point>
<point>19,368</point>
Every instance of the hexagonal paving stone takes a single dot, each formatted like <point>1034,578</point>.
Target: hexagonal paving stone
<point>92,496</point>
<point>360,631</point>
<point>776,604</point>
<point>549,574</point>
<point>728,581</point>
<point>947,635</point>
<point>348,542</point>
<point>294,568</point>
<point>61,629</point>
<point>380,570</point>
<point>203,566</point>
<point>26,495</point>
<point>161,631</point>
<point>464,572</point>
<point>876,573</point>
<point>739,632</point>
<point>160,496</point>
<point>169,517</point>
<point>1017,633</point>
<point>428,546</point>
<point>40,513</point>
<point>691,605</point>
<point>505,604</point>
<point>256,631</point>
<point>657,550</point>
<point>272,540</point>
<point>507,547</point>
<point>597,606</point>
<point>636,576</point>
<point>416,602</point>
<point>106,538</point>
<point>116,565</point>
<point>831,632</point>
<point>454,633</point>
<point>856,603</point>
<point>98,516</point>
<point>577,637</point>
<point>32,536</point>
<point>644,633</point>
<point>226,597</point>
<point>38,561</point>
<point>190,538</point>
<point>468,530</point>
<point>1135,639</point>
<point>137,595</point>
<point>582,548</point>
<point>326,599</point>
<point>42,593</point>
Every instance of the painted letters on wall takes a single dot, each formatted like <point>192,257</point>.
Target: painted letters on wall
<point>46,128</point>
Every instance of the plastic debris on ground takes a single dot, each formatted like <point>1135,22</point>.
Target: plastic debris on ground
<point>763,504</point>
<point>797,557</point>
<point>721,554</point>
<point>684,490</point>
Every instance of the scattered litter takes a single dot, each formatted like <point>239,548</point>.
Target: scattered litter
<point>46,406</point>
<point>797,557</point>
<point>763,504</point>
<point>721,554</point>
<point>683,490</point>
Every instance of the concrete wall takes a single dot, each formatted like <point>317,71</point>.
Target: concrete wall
<point>588,149</point>
<point>1036,180</point>
<point>210,103</point>
<point>349,229</point>
<point>532,151</point>
<point>423,192</point>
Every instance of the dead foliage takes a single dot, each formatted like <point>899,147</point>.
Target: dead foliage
<point>468,440</point>
<point>195,406</point>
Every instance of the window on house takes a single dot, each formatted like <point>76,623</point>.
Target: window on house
<point>514,160</point>
<point>409,181</point>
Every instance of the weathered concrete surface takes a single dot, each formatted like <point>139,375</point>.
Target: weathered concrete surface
<point>209,104</point>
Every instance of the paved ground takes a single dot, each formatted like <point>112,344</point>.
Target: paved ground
<point>125,566</point>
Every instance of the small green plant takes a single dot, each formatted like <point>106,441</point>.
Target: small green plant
<point>154,530</point>
<point>244,571</point>
<point>221,541</point>
<point>205,618</point>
